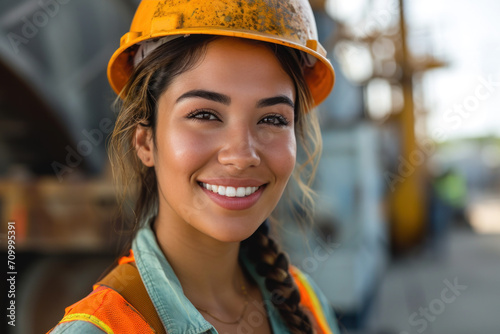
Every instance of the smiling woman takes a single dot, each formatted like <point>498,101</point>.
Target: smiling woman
<point>237,135</point>
<point>207,132</point>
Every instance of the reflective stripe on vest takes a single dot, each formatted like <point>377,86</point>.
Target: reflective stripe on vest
<point>106,309</point>
<point>310,301</point>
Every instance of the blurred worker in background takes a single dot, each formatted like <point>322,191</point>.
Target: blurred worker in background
<point>213,98</point>
<point>447,207</point>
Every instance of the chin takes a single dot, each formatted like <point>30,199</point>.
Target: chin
<point>231,231</point>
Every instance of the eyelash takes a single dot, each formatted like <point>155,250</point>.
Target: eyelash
<point>206,115</point>
<point>282,121</point>
<point>194,115</point>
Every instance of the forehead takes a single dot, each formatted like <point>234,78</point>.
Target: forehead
<point>234,66</point>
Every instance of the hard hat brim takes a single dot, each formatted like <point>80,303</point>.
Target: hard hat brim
<point>320,78</point>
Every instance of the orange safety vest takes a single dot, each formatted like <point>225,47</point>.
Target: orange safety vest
<point>106,307</point>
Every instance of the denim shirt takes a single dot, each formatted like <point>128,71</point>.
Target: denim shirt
<point>177,313</point>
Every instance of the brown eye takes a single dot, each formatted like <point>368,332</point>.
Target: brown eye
<point>203,115</point>
<point>275,120</point>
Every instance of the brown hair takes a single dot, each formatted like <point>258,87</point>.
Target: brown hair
<point>149,80</point>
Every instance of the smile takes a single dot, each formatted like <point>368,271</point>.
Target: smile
<point>230,191</point>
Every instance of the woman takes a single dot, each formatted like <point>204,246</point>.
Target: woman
<point>213,99</point>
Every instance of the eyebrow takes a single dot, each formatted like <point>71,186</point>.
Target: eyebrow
<point>204,94</point>
<point>226,100</point>
<point>271,101</point>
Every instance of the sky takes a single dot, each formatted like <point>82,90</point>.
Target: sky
<point>463,99</point>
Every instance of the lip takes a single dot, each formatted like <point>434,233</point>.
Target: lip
<point>234,203</point>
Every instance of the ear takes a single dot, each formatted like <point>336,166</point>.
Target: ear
<point>144,145</point>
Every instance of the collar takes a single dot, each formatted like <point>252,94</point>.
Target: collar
<point>178,314</point>
<point>174,309</point>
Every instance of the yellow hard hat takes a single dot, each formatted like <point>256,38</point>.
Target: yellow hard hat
<point>288,22</point>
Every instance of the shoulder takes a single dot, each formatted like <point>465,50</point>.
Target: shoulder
<point>102,311</point>
<point>313,299</point>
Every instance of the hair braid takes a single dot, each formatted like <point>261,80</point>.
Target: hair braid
<point>272,264</point>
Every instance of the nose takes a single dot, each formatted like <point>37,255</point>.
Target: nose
<point>240,149</point>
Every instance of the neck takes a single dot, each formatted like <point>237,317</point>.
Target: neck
<point>205,267</point>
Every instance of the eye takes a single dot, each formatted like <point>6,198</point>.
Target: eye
<point>203,115</point>
<point>275,120</point>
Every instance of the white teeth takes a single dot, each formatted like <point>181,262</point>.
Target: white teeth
<point>230,191</point>
<point>240,192</point>
<point>222,190</point>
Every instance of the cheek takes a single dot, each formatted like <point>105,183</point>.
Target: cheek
<point>281,154</point>
<point>183,149</point>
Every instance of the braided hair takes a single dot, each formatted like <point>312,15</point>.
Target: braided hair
<point>272,264</point>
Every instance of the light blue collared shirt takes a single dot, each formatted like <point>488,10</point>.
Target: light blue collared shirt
<point>176,312</point>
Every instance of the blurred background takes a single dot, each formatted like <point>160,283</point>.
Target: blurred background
<point>407,230</point>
